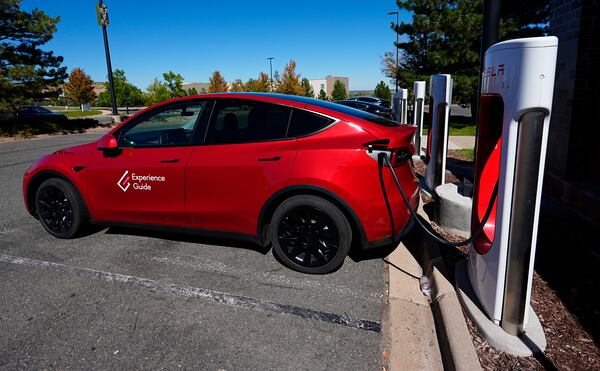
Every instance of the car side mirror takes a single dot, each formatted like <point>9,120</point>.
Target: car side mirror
<point>108,143</point>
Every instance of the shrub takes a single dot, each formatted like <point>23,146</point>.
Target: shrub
<point>29,128</point>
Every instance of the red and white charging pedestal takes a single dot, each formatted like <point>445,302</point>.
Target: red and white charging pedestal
<point>399,105</point>
<point>514,115</point>
<point>418,112</point>
<point>440,98</point>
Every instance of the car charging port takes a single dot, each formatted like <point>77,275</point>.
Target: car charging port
<point>397,156</point>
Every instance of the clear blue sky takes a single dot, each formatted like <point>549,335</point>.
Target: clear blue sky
<point>194,38</point>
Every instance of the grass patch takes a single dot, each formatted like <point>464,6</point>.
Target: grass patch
<point>456,128</point>
<point>462,154</point>
<point>462,129</point>
<point>80,113</point>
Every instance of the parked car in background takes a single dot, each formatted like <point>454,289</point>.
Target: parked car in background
<point>372,100</point>
<point>367,107</point>
<point>35,113</point>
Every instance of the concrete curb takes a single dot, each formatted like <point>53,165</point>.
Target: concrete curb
<point>455,342</point>
<point>411,328</point>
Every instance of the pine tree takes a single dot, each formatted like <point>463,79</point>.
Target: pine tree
<point>26,71</point>
<point>444,37</point>
<point>80,87</point>
<point>217,83</point>
<point>290,81</point>
<point>382,91</point>
<point>322,95</point>
<point>339,91</point>
<point>307,89</point>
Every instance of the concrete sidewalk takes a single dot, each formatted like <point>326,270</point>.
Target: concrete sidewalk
<point>461,142</point>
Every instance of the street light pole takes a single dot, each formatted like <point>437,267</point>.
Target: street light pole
<point>103,21</point>
<point>271,70</point>
<point>397,40</point>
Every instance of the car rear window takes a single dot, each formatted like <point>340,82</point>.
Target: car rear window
<point>363,115</point>
<point>305,123</point>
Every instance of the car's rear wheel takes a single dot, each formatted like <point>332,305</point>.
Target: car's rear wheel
<point>310,234</point>
<point>59,208</point>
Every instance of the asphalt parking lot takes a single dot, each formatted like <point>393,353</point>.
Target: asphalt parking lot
<point>122,298</point>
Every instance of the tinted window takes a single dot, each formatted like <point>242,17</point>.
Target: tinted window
<point>366,99</point>
<point>242,121</point>
<point>304,123</point>
<point>169,126</point>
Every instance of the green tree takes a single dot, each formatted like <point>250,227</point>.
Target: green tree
<point>290,81</point>
<point>157,92</point>
<point>322,95</point>
<point>26,71</point>
<point>126,94</point>
<point>382,91</point>
<point>444,37</point>
<point>237,86</point>
<point>339,91</point>
<point>191,91</point>
<point>217,83</point>
<point>307,90</point>
<point>80,87</point>
<point>174,83</point>
<point>262,84</point>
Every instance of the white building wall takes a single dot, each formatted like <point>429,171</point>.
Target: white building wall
<point>317,85</point>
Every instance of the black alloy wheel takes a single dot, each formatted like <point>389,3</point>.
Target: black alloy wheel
<point>310,234</point>
<point>55,210</point>
<point>59,208</point>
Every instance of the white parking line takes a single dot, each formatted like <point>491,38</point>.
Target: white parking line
<point>196,292</point>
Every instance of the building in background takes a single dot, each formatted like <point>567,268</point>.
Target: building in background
<point>326,84</point>
<point>196,85</point>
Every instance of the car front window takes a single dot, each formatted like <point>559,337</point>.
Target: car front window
<point>170,126</point>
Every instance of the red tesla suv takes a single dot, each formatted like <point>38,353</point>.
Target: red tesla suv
<point>297,173</point>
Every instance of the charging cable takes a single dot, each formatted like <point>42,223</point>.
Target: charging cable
<point>384,158</point>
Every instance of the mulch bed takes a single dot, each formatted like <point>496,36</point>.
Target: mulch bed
<point>569,345</point>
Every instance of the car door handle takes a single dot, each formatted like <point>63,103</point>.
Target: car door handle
<point>276,158</point>
<point>171,161</point>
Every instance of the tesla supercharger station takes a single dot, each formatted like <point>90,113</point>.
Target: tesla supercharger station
<point>418,112</point>
<point>440,98</point>
<point>400,107</point>
<point>515,104</point>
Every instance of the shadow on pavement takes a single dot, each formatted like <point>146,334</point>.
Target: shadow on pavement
<point>190,238</point>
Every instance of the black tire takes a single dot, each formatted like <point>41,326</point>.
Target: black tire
<point>60,208</point>
<point>310,234</point>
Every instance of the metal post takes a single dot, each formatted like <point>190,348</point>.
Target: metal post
<point>271,70</point>
<point>108,65</point>
<point>397,41</point>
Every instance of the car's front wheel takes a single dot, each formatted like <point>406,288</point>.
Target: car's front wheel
<point>310,234</point>
<point>59,208</point>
